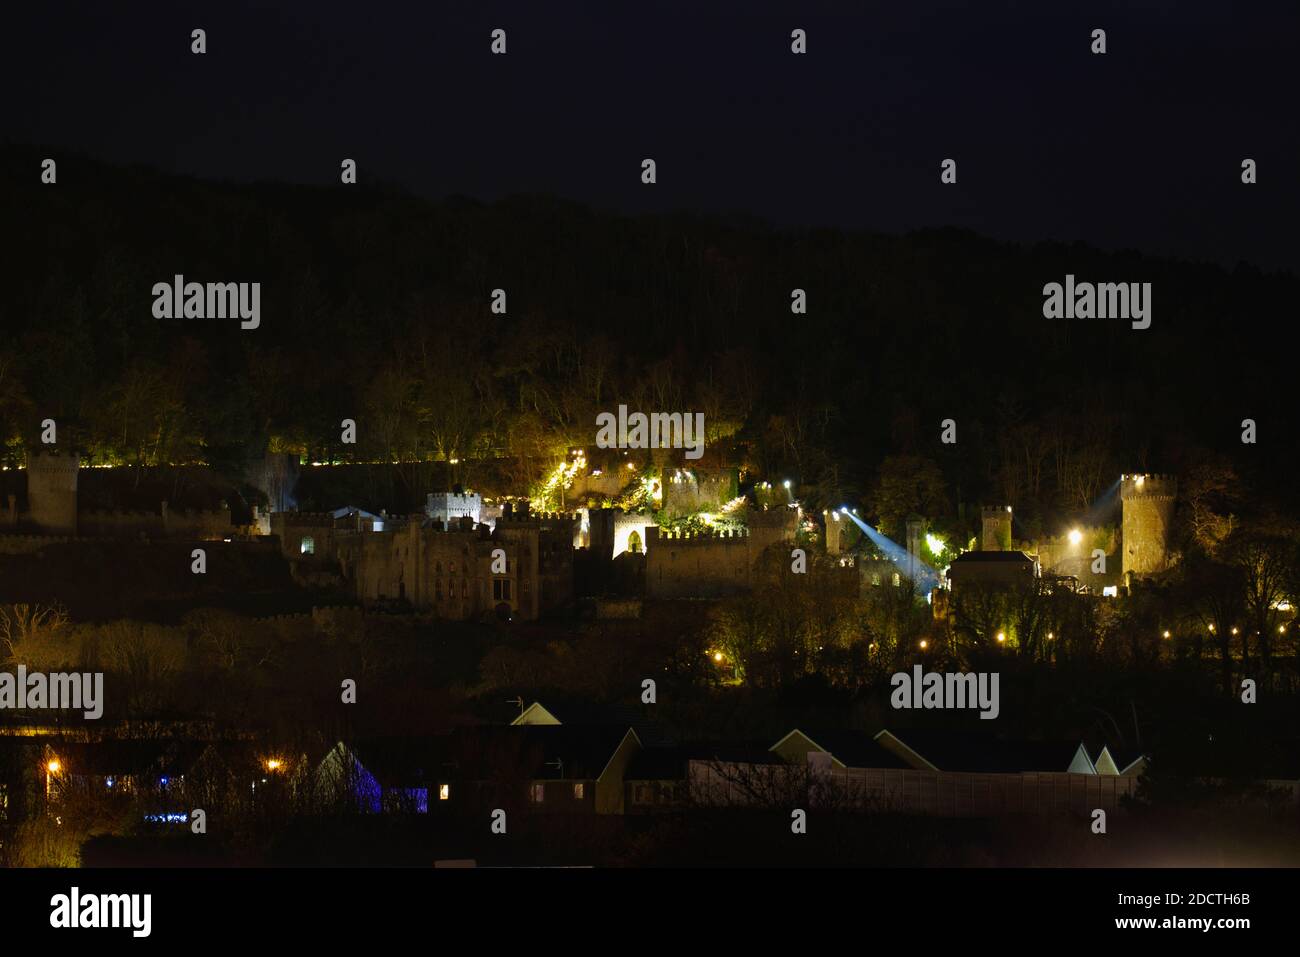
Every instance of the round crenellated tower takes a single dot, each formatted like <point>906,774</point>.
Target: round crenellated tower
<point>996,527</point>
<point>1148,510</point>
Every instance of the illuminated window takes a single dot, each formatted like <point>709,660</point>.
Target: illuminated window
<point>444,792</point>
<point>307,546</point>
<point>579,791</point>
<point>537,793</point>
<point>897,580</point>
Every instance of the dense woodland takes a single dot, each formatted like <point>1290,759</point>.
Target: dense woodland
<point>375,306</point>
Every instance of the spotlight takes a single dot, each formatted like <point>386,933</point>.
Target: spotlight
<point>1076,536</point>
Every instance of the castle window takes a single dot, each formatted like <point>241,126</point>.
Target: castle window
<point>437,588</point>
<point>437,568</point>
<point>523,587</point>
<point>898,580</point>
<point>444,792</point>
<point>579,790</point>
<point>464,588</point>
<point>451,568</point>
<point>537,793</point>
<point>501,589</point>
<point>307,546</point>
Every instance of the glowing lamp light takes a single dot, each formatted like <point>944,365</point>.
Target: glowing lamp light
<point>924,644</point>
<point>717,656</point>
<point>54,767</point>
<point>1002,636</point>
<point>1166,633</point>
<point>273,764</point>
<point>786,483</point>
<point>1234,630</point>
<point>1211,629</point>
<point>1076,536</point>
<point>1050,635</point>
<point>934,543</point>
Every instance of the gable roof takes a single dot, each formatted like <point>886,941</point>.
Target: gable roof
<point>649,731</point>
<point>848,749</point>
<point>1118,760</point>
<point>974,751</point>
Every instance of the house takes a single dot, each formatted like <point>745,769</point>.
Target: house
<point>656,779</point>
<point>390,775</point>
<point>991,570</point>
<point>535,768</point>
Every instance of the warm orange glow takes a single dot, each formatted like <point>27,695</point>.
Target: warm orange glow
<point>924,644</point>
<point>54,767</point>
<point>1002,636</point>
<point>274,764</point>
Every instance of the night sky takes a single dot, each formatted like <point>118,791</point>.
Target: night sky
<point>1139,148</point>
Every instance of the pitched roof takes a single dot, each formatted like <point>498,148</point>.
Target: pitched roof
<point>853,749</point>
<point>649,731</point>
<point>984,752</point>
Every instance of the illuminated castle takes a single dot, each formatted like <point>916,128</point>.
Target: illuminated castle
<point>1148,507</point>
<point>996,528</point>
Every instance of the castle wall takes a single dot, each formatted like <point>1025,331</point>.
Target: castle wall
<point>1058,556</point>
<point>687,491</point>
<point>710,565</point>
<point>52,492</point>
<point>449,507</point>
<point>449,570</point>
<point>607,532</point>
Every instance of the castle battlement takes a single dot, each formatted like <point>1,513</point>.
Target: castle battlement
<point>705,537</point>
<point>1149,486</point>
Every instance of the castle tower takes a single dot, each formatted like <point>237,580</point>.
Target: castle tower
<point>836,526</point>
<point>996,527</point>
<point>1148,510</point>
<point>914,526</point>
<point>52,492</point>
